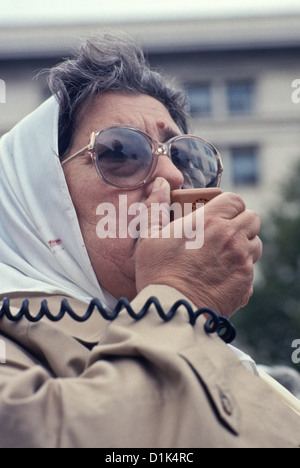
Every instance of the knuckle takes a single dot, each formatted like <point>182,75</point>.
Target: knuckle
<point>237,200</point>
<point>254,217</point>
<point>249,269</point>
<point>232,242</point>
<point>239,250</point>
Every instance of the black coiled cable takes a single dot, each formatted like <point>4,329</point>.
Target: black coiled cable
<point>214,324</point>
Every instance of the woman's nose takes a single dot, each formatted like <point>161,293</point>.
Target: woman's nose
<point>166,168</point>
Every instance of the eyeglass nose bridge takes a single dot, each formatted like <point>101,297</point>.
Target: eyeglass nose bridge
<point>163,150</point>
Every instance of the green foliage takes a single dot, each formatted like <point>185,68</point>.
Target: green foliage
<point>271,321</point>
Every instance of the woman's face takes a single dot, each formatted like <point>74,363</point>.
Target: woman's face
<point>113,259</point>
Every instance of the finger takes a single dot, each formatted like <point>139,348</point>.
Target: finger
<point>248,222</point>
<point>256,248</point>
<point>156,209</point>
<point>160,193</point>
<point>248,297</point>
<point>227,206</point>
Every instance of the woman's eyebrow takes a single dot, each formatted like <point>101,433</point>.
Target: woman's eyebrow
<point>167,133</point>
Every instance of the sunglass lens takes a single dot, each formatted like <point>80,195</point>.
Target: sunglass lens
<point>124,156</point>
<point>197,161</point>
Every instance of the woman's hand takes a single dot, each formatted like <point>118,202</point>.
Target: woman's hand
<point>218,275</point>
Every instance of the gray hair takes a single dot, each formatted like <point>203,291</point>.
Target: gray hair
<point>112,62</point>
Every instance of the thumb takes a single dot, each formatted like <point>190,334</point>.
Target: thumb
<point>158,209</point>
<point>161,191</point>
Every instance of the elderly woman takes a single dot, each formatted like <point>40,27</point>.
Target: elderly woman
<point>114,127</point>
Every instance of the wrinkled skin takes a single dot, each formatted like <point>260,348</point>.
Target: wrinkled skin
<point>219,275</point>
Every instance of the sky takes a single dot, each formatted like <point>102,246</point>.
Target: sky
<point>22,12</point>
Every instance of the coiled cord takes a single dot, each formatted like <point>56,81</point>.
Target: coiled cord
<point>214,324</point>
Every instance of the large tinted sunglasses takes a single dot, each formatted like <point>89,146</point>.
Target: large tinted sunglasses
<point>126,157</point>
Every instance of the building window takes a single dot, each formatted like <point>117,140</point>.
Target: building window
<point>240,97</point>
<point>200,100</point>
<point>245,170</point>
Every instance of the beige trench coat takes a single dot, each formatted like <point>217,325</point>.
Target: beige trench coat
<point>128,384</point>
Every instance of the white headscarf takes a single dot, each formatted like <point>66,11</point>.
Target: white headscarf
<point>41,245</point>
